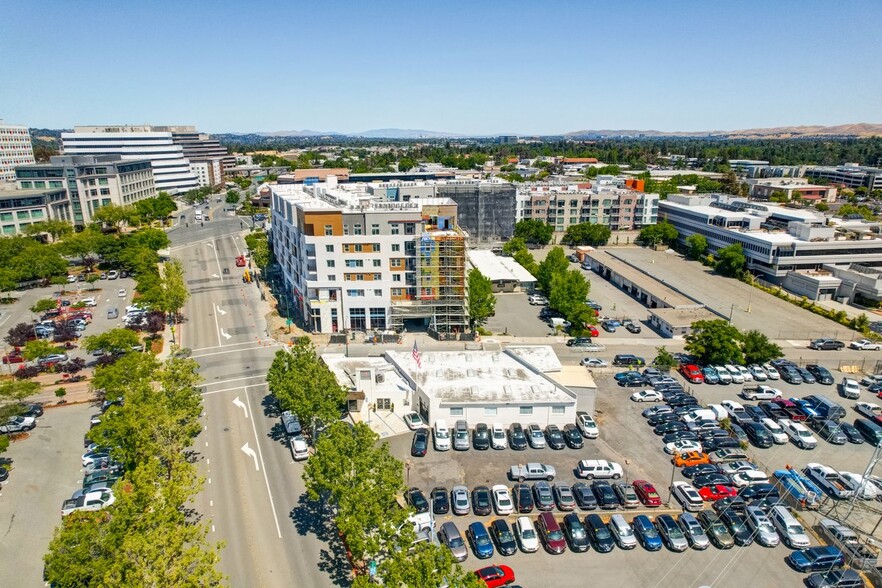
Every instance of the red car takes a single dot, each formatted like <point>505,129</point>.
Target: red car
<point>494,576</point>
<point>692,372</point>
<point>14,357</point>
<point>646,493</point>
<point>592,330</point>
<point>717,491</point>
<point>789,407</point>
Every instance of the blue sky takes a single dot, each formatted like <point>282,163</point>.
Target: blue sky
<point>533,67</point>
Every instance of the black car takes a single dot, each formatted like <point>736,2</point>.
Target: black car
<point>758,434</point>
<point>4,474</point>
<point>753,412</point>
<point>599,533</point>
<point>628,360</point>
<point>606,496</point>
<point>759,491</point>
<point>416,498</point>
<point>517,440</point>
<point>33,410</point>
<point>685,358</point>
<point>669,427</point>
<point>822,375</point>
<point>543,496</point>
<point>698,470</point>
<point>572,436</point>
<point>503,537</point>
<point>554,437</point>
<point>575,533</point>
<point>636,382</point>
<point>658,419</point>
<point>711,479</point>
<point>726,443</point>
<point>584,496</point>
<point>682,400</point>
<point>579,342</point>
<point>741,533</point>
<point>773,411</point>
<point>679,436</point>
<point>853,435</point>
<point>481,439</point>
<point>733,503</point>
<point>522,496</point>
<point>440,500</point>
<point>481,504</point>
<point>420,443</point>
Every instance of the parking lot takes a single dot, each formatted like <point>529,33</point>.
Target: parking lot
<point>46,470</point>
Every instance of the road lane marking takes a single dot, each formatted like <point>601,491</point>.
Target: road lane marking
<point>241,405</point>
<point>249,451</point>
<point>256,348</point>
<point>265,479</point>
<point>218,308</point>
<point>233,380</point>
<point>254,343</point>
<point>224,333</point>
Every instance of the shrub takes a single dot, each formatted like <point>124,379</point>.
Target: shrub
<point>25,372</point>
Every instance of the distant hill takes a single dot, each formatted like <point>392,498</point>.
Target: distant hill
<point>846,130</point>
<point>303,133</point>
<point>405,134</point>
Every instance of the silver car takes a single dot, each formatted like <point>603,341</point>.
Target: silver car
<point>451,537</point>
<point>459,499</point>
<point>694,531</point>
<point>763,528</point>
<point>622,532</point>
<point>535,436</point>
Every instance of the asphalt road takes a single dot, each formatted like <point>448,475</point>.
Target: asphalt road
<point>253,492</point>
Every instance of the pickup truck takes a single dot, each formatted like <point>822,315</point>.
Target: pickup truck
<point>18,424</point>
<point>859,555</point>
<point>828,480</point>
<point>760,392</point>
<point>803,490</point>
<point>532,471</point>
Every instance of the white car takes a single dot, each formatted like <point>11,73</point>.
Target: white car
<point>135,308</point>
<point>868,409</point>
<point>526,534</point>
<point>89,501</point>
<point>71,279</point>
<point>736,467</point>
<point>502,500</point>
<point>89,302</point>
<point>537,300</point>
<point>594,362</point>
<point>855,481</point>
<point>758,373</point>
<point>497,436</point>
<point>723,374</point>
<point>414,421</point>
<point>732,407</point>
<point>687,495</point>
<point>682,446</point>
<point>299,448</point>
<point>112,275</point>
<point>849,388</point>
<point>122,293</point>
<point>865,345</point>
<point>745,373</point>
<point>763,529</point>
<point>737,376</point>
<point>797,432</point>
<point>749,478</point>
<point>587,425</point>
<point>775,430</point>
<point>771,371</point>
<point>647,396</point>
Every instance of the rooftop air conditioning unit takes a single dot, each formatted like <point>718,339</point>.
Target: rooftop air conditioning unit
<point>380,378</point>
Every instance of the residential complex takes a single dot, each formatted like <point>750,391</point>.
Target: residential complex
<point>90,182</point>
<point>355,259</point>
<point>849,175</point>
<point>15,149</point>
<point>762,189</point>
<point>171,169</point>
<point>606,201</point>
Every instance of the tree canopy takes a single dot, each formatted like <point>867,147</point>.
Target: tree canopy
<point>555,263</point>
<point>587,234</point>
<point>534,231</point>
<point>731,261</point>
<point>481,300</point>
<point>696,245</point>
<point>715,342</point>
<point>758,349</point>
<point>662,232</point>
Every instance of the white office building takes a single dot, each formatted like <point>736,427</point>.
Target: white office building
<point>15,149</point>
<point>171,169</point>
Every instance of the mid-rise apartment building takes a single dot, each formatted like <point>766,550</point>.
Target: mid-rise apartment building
<point>605,201</point>
<point>15,149</point>
<point>90,181</point>
<point>849,175</point>
<point>763,189</point>
<point>171,169</point>
<point>355,260</point>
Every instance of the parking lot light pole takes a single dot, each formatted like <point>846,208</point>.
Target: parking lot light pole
<point>671,484</point>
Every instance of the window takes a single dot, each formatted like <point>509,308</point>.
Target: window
<point>396,277</point>
<point>456,411</point>
<point>558,409</point>
<point>328,248</point>
<point>376,247</point>
<point>395,229</point>
<point>377,263</point>
<point>410,229</point>
<point>36,214</point>
<point>378,318</point>
<point>396,262</point>
<point>378,293</point>
<point>357,229</point>
<point>375,229</point>
<point>329,230</point>
<point>396,247</point>
<point>6,216</point>
<point>357,319</point>
<point>354,263</point>
<point>345,229</point>
<point>23,214</point>
<point>332,278</point>
<point>526,410</point>
<point>330,263</point>
<point>397,291</point>
<point>27,185</point>
<point>56,184</point>
<point>378,277</point>
<point>384,404</point>
<point>359,277</point>
<point>489,411</point>
<point>102,181</point>
<point>358,248</point>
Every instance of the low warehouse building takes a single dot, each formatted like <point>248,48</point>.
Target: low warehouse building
<point>676,322</point>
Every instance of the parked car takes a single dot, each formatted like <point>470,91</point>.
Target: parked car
<point>542,496</point>
<point>671,533</point>
<point>835,579</point>
<point>646,493</point>
<point>459,497</point>
<point>497,436</point>
<point>481,501</point>
<point>572,436</point>
<point>813,559</point>
<point>563,497</point>
<point>554,438</point>
<point>575,533</point>
<point>526,534</point>
<point>826,344</point>
<point>587,425</point>
<point>481,437</point>
<point>865,345</point>
<point>517,439</point>
<point>647,396</point>
<point>821,374</point>
<point>849,388</point>
<point>687,496</point>
<point>502,501</point>
<point>763,529</point>
<point>420,444</point>
<point>593,362</point>
<point>415,497</point>
<point>449,535</point>
<point>503,537</point>
<point>414,421</point>
<point>477,535</point>
<point>626,494</point>
<point>646,533</point>
<point>584,496</point>
<point>693,531</point>
<point>440,500</point>
<point>535,436</point>
<point>551,534</point>
<point>605,495</point>
<point>716,529</point>
<point>599,534</point>
<point>522,495</point>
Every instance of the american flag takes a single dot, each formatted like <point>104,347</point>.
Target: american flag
<point>417,356</point>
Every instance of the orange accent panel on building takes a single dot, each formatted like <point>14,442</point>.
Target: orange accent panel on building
<point>313,223</point>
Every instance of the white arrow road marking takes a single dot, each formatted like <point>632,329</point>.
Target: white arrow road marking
<point>219,309</point>
<point>225,334</point>
<point>241,405</point>
<point>253,455</point>
<point>215,276</point>
<point>210,245</point>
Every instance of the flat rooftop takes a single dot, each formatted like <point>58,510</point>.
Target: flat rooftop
<point>497,268</point>
<point>345,369</point>
<point>680,317</point>
<point>480,377</point>
<point>640,279</point>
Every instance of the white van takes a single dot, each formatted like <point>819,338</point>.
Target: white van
<point>557,321</point>
<point>789,528</point>
<point>441,435</point>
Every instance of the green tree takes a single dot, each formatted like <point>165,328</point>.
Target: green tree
<point>12,394</point>
<point>513,245</point>
<point>91,279</point>
<point>37,348</point>
<point>303,383</point>
<point>113,341</point>
<point>43,262</point>
<point>232,197</point>
<point>555,263</point>
<point>860,322</point>
<point>534,231</point>
<point>822,206</point>
<point>174,292</point>
<point>130,369</point>
<point>715,342</point>
<point>568,293</point>
<point>44,304</point>
<point>83,245</point>
<point>422,565</point>
<point>758,349</point>
<point>587,234</point>
<point>525,259</point>
<point>664,360</point>
<point>731,261</point>
<point>696,245</point>
<point>663,232</point>
<point>116,216</point>
<point>54,228</point>
<point>856,210</point>
<point>153,239</point>
<point>258,245</point>
<point>778,196</point>
<point>481,300</point>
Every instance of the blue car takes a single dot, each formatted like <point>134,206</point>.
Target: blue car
<point>480,539</point>
<point>816,559</point>
<point>646,533</point>
<point>710,375</point>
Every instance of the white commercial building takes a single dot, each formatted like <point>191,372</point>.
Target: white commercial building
<point>171,169</point>
<point>15,149</point>
<point>505,273</point>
